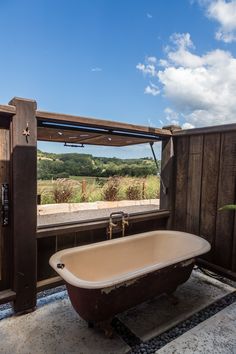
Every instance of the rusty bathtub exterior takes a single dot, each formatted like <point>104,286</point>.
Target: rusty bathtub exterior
<point>97,298</point>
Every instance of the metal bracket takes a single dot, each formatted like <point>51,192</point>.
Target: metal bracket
<point>5,204</point>
<point>74,145</point>
<point>164,188</point>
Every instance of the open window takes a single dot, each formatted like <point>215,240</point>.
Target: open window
<point>135,194</point>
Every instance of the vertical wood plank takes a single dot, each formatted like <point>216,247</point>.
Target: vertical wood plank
<point>4,231</point>
<point>46,247</point>
<point>24,200</point>
<point>194,184</point>
<point>226,195</point>
<point>234,247</point>
<point>181,148</point>
<point>209,194</point>
<point>67,241</point>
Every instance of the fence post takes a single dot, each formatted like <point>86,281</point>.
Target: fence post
<point>24,203</point>
<point>167,171</point>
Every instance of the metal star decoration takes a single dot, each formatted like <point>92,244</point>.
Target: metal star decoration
<point>26,132</point>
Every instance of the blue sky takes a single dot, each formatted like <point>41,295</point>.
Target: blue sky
<point>150,62</point>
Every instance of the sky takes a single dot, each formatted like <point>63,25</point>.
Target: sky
<point>147,62</point>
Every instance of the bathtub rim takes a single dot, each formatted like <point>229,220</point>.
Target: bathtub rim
<point>70,278</point>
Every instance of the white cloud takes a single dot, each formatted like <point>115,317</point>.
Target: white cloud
<point>224,12</point>
<point>96,69</point>
<point>152,89</point>
<point>152,60</point>
<point>148,67</point>
<point>187,126</point>
<point>149,15</point>
<point>182,40</point>
<point>201,88</point>
<point>163,62</point>
<point>171,116</point>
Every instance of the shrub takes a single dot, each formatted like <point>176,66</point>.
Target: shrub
<point>111,189</point>
<point>46,198</point>
<point>63,190</point>
<point>152,190</point>
<point>62,175</point>
<point>133,191</point>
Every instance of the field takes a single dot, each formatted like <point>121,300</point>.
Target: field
<point>77,189</point>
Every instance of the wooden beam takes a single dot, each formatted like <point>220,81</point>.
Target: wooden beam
<point>24,202</point>
<point>87,137</point>
<point>217,269</point>
<point>99,123</point>
<point>206,130</point>
<point>7,110</point>
<point>49,283</point>
<point>57,230</point>
<point>7,296</point>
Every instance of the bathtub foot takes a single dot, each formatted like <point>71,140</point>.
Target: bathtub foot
<point>106,328</point>
<point>90,324</point>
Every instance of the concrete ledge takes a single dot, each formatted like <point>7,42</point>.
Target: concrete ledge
<point>71,207</point>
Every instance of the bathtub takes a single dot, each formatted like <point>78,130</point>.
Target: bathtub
<point>106,278</point>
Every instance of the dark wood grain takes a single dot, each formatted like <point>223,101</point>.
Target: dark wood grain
<point>209,194</point>
<point>216,269</point>
<point>5,234</point>
<point>226,195</point>
<point>166,183</point>
<point>24,203</point>
<point>7,296</point>
<point>181,148</point>
<point>233,266</point>
<point>7,110</point>
<point>206,130</point>
<point>46,247</point>
<point>194,184</point>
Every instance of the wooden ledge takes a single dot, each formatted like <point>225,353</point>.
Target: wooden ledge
<point>7,110</point>
<point>7,296</point>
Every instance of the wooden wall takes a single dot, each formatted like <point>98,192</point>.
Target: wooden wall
<point>198,177</point>
<point>205,180</point>
<point>5,236</point>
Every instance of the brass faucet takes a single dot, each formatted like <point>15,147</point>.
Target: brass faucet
<point>112,225</point>
<point>124,223</point>
<point>110,229</point>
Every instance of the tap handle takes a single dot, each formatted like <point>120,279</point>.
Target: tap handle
<point>113,224</point>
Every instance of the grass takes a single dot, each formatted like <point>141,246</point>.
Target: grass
<point>95,189</point>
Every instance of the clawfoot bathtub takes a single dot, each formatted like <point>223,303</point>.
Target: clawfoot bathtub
<point>108,277</point>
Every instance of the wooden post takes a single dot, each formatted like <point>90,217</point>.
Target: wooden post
<point>167,170</point>
<point>4,227</point>
<point>24,203</point>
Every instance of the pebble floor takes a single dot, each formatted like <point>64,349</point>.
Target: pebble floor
<point>133,344</point>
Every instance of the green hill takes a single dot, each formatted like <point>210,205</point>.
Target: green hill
<point>51,165</point>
